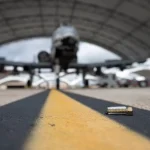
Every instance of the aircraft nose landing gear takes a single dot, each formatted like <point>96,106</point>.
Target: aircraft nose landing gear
<point>57,70</point>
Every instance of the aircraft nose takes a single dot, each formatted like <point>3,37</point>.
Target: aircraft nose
<point>69,41</point>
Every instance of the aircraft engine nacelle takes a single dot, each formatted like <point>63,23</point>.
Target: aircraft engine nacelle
<point>44,57</point>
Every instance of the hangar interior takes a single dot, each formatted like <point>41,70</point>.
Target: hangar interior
<point>120,26</point>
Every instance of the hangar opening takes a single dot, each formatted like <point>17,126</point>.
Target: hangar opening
<point>27,51</point>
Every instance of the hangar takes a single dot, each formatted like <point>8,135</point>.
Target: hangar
<point>121,26</point>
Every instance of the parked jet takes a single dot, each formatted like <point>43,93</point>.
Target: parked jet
<point>65,45</point>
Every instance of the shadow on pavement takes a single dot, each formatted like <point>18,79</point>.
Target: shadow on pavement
<point>17,120</point>
<point>139,122</point>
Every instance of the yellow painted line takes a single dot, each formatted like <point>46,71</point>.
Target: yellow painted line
<point>65,124</point>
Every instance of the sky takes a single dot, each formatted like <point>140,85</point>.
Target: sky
<point>27,51</point>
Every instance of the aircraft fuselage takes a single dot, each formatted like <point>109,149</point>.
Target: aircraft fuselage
<point>65,42</point>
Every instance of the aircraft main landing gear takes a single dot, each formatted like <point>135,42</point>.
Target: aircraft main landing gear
<point>57,71</point>
<point>57,83</point>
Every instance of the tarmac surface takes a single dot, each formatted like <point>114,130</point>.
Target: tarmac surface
<point>18,111</point>
<point>66,118</point>
<point>138,98</point>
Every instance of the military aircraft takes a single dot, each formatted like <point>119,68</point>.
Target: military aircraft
<point>65,45</point>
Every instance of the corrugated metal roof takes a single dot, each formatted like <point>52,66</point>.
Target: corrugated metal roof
<point>121,26</point>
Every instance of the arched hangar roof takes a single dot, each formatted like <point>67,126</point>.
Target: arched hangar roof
<point>121,26</point>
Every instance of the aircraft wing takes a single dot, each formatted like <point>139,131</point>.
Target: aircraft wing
<point>108,64</point>
<point>25,64</point>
